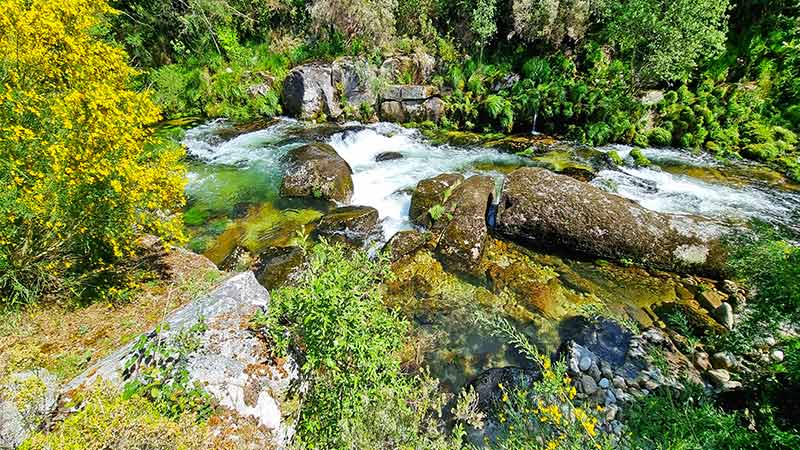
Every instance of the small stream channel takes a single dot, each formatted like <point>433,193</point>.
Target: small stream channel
<point>233,201</point>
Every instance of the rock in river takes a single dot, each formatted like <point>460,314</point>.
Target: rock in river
<point>547,210</point>
<point>275,266</point>
<point>349,224</point>
<point>430,193</point>
<point>316,170</point>
<point>463,238</point>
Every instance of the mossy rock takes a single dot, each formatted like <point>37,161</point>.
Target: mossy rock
<point>276,266</point>
<point>700,321</point>
<point>349,224</point>
<point>317,171</point>
<point>429,193</point>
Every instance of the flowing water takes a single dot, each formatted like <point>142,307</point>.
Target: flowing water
<point>233,200</point>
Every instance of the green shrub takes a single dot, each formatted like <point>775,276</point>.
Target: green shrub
<point>351,344</point>
<point>108,421</point>
<point>659,137</point>
<point>638,157</point>
<point>690,420</point>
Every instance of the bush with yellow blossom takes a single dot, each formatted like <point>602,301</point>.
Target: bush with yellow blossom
<point>81,171</point>
<point>544,415</point>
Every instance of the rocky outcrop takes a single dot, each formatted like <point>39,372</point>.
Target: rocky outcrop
<point>344,89</point>
<point>429,193</point>
<point>353,225</point>
<point>308,92</point>
<point>547,210</point>
<point>317,171</point>
<point>275,266</point>
<point>463,238</point>
<point>27,399</point>
<point>419,66</point>
<point>351,78</point>
<point>411,103</point>
<point>230,361</point>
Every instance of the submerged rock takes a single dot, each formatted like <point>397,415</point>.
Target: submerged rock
<point>547,210</point>
<point>404,243</point>
<point>317,171</point>
<point>388,156</point>
<point>230,361</point>
<point>309,92</point>
<point>275,266</point>
<point>350,224</point>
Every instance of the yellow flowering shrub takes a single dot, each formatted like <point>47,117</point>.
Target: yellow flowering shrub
<point>81,171</point>
<point>544,415</point>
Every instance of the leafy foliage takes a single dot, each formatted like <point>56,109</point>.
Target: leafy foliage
<point>158,373</point>
<point>666,39</point>
<point>109,421</point>
<point>350,342</point>
<point>82,172</point>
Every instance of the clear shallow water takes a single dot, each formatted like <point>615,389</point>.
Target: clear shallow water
<point>233,193</point>
<point>248,167</point>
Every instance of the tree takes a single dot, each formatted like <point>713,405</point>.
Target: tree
<point>483,22</point>
<point>369,20</point>
<point>665,40</point>
<point>81,172</point>
<point>553,21</point>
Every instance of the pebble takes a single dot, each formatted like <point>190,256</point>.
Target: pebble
<point>724,315</point>
<point>610,398</point>
<point>770,341</point>
<point>719,377</point>
<point>701,361</point>
<point>585,363</point>
<point>611,412</point>
<point>604,383</point>
<point>589,385</point>
<point>594,371</point>
<point>619,382</point>
<point>723,360</point>
<point>777,355</point>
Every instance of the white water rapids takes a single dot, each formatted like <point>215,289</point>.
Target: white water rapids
<point>387,185</point>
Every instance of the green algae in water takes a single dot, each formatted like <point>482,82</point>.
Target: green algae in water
<point>219,190</point>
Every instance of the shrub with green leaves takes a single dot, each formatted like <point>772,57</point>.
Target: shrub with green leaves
<point>350,344</point>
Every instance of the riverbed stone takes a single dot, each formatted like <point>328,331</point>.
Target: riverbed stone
<point>429,193</point>
<point>404,243</point>
<point>309,92</point>
<point>724,315</point>
<point>724,360</point>
<point>276,266</point>
<point>231,362</point>
<point>317,171</point>
<point>718,377</point>
<point>463,239</point>
<point>349,224</point>
<point>388,156</point>
<point>547,210</point>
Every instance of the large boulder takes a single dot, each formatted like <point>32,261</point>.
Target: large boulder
<point>316,170</point>
<point>308,92</point>
<point>229,359</point>
<point>430,193</point>
<point>543,209</point>
<point>350,224</point>
<point>463,238</point>
<point>351,77</point>
<point>404,243</point>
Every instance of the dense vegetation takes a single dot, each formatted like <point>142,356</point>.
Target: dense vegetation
<point>82,82</point>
